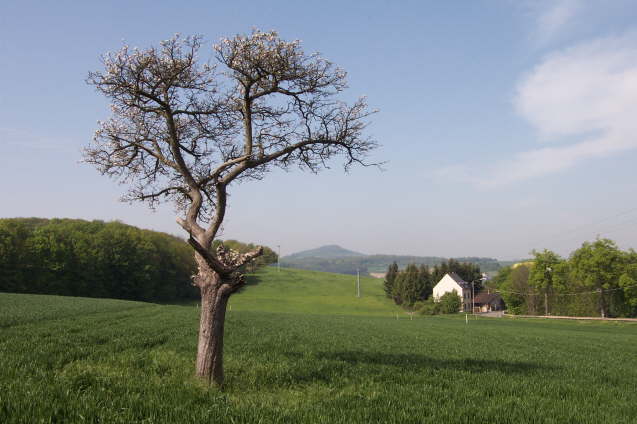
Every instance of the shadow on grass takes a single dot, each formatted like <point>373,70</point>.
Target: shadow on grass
<point>253,279</point>
<point>414,361</point>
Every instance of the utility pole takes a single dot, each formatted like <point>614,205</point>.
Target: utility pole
<point>473,297</point>
<point>358,283</point>
<point>278,259</point>
<point>546,291</point>
<point>473,293</point>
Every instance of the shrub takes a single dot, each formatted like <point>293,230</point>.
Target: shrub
<point>428,307</point>
<point>450,303</point>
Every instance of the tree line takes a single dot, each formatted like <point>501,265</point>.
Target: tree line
<point>98,259</point>
<point>415,283</point>
<point>598,279</point>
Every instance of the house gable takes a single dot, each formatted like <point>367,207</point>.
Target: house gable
<point>451,282</point>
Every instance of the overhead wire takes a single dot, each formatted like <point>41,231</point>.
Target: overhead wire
<point>566,294</point>
<point>567,234</point>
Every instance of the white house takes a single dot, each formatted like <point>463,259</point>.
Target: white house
<point>451,282</point>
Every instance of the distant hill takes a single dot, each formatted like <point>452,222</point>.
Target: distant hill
<point>325,252</point>
<point>336,259</point>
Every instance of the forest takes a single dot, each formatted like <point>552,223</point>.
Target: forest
<point>75,257</point>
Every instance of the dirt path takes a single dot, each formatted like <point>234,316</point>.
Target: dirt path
<point>566,317</point>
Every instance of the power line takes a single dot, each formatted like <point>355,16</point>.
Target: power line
<point>566,294</point>
<point>565,235</point>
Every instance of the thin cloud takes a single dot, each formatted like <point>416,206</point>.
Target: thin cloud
<point>583,101</point>
<point>554,16</point>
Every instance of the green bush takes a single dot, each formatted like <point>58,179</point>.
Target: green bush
<point>428,307</point>
<point>450,303</point>
<point>514,310</point>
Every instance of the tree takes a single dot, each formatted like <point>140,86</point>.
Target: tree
<point>541,274</point>
<point>450,303</point>
<point>466,270</point>
<point>515,289</point>
<point>97,259</point>
<point>409,287</point>
<point>390,277</point>
<point>598,266</point>
<point>425,285</point>
<point>628,283</point>
<point>397,291</point>
<point>185,132</point>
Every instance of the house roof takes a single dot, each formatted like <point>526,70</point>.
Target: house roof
<point>455,277</point>
<point>482,298</point>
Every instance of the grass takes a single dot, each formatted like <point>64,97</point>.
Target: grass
<point>301,348</point>
<point>312,292</point>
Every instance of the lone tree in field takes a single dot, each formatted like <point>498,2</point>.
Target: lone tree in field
<point>184,131</point>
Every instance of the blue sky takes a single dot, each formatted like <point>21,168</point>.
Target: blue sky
<point>507,125</point>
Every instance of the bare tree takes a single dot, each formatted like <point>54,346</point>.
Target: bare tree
<point>184,131</point>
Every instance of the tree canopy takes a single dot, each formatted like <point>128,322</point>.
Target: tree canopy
<point>596,279</point>
<point>185,130</point>
<point>74,257</point>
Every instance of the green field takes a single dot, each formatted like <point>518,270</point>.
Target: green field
<point>301,348</point>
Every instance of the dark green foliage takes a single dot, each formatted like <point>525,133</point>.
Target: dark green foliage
<point>106,361</point>
<point>428,307</point>
<point>406,290</point>
<point>450,303</point>
<point>98,259</point>
<point>390,277</point>
<point>468,271</point>
<point>411,285</point>
<point>416,283</point>
<point>425,283</point>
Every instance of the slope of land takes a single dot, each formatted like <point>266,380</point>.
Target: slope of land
<point>325,252</point>
<point>78,360</point>
<point>312,292</point>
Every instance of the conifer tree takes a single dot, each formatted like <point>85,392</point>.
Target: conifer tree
<point>425,283</point>
<point>390,277</point>
<point>397,292</point>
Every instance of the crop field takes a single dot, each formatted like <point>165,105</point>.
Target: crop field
<point>300,347</point>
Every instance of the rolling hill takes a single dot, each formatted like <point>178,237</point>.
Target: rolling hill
<point>326,252</point>
<point>313,292</point>
<point>335,259</point>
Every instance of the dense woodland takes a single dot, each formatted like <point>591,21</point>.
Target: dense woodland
<point>415,283</point>
<point>598,279</point>
<point>98,259</point>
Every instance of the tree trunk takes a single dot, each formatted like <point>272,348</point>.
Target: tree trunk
<point>214,300</point>
<point>602,304</point>
<point>215,291</point>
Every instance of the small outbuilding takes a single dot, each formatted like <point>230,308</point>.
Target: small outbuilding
<point>487,302</point>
